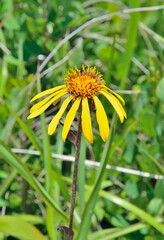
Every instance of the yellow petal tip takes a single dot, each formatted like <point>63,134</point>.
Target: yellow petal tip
<point>29,117</point>
<point>105,139</point>
<point>50,132</point>
<point>32,99</point>
<point>90,140</point>
<point>122,101</point>
<point>63,138</point>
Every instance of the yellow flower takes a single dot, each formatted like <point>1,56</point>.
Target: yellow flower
<point>81,87</point>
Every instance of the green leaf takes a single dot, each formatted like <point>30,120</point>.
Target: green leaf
<point>158,189</point>
<point>14,200</point>
<point>101,233</point>
<point>131,189</point>
<point>28,131</point>
<point>76,58</point>
<point>32,219</point>
<point>147,121</point>
<point>156,237</point>
<point>130,146</point>
<point>17,227</point>
<point>47,164</point>
<point>160,167</point>
<point>3,76</point>
<point>12,23</point>
<point>10,177</point>
<point>12,60</point>
<point>88,211</point>
<point>16,162</point>
<point>119,221</point>
<point>81,175</point>
<point>131,40</point>
<point>160,90</point>
<point>118,232</point>
<point>154,206</point>
<point>134,209</point>
<point>104,53</point>
<point>59,181</point>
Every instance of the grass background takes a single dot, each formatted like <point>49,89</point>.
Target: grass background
<point>35,188</point>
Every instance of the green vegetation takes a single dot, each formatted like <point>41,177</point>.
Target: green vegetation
<point>124,40</point>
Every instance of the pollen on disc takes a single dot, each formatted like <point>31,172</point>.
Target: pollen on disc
<point>84,83</point>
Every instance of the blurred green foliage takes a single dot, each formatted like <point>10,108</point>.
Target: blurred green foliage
<point>128,49</point>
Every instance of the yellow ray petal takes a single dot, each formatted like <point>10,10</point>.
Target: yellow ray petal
<point>116,104</point>
<point>117,95</point>
<point>41,103</point>
<point>43,108</point>
<point>55,102</point>
<point>53,124</point>
<point>101,119</point>
<point>70,117</point>
<point>86,121</point>
<point>51,90</point>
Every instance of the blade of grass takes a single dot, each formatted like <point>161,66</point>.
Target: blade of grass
<point>47,165</point>
<point>59,150</point>
<point>17,105</point>
<point>19,228</point>
<point>131,39</point>
<point>128,206</point>
<point>109,71</point>
<point>16,162</point>
<point>120,232</point>
<point>3,76</point>
<point>81,175</point>
<point>32,219</point>
<point>134,209</point>
<point>6,183</point>
<point>158,38</point>
<point>20,68</point>
<point>59,184</point>
<point>122,137</point>
<point>31,135</point>
<point>88,211</point>
<point>34,139</point>
<point>159,166</point>
<point>101,233</point>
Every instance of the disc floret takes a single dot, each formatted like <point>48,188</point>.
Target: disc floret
<point>84,83</point>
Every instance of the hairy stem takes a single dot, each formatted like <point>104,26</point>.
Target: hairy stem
<point>68,232</point>
<point>74,184</point>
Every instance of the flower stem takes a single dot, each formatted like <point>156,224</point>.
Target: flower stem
<point>68,232</point>
<point>74,184</point>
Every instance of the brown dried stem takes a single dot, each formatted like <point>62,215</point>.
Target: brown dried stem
<point>74,184</point>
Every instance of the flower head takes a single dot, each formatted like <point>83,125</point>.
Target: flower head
<point>81,88</point>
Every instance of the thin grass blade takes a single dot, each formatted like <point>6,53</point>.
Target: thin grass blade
<point>131,39</point>
<point>88,211</point>
<point>134,209</point>
<point>18,228</point>
<point>31,135</point>
<point>16,162</point>
<point>114,233</point>
<point>81,175</point>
